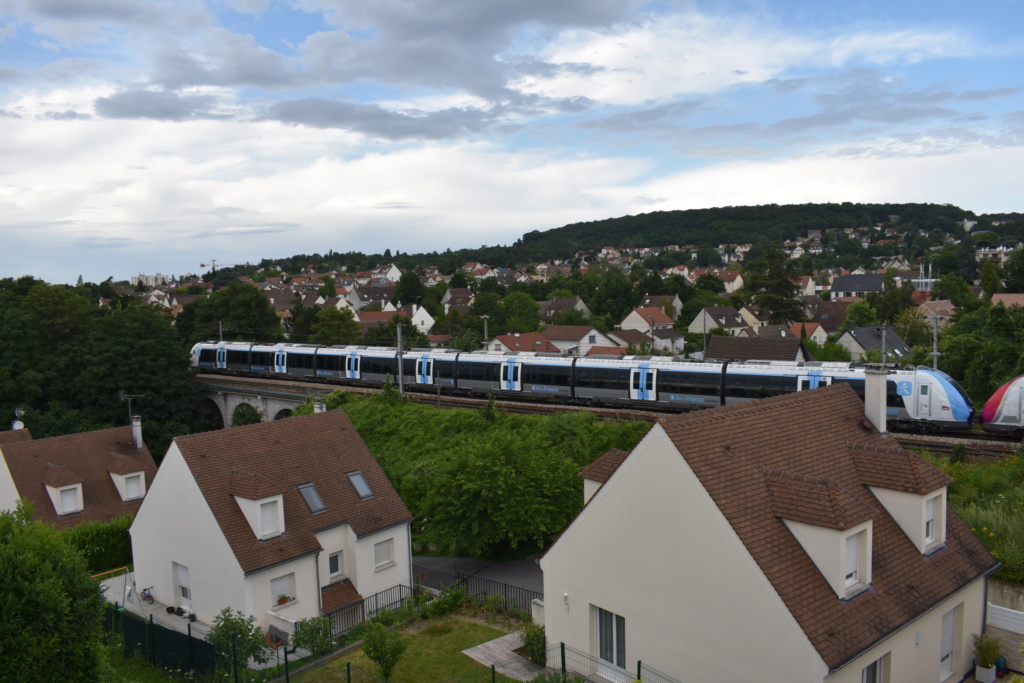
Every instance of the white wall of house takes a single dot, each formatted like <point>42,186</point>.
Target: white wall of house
<point>8,491</point>
<point>370,579</point>
<point>175,525</point>
<point>261,599</point>
<point>336,539</point>
<point>653,547</point>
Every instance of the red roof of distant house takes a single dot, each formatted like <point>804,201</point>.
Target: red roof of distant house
<point>527,341</point>
<point>607,351</point>
<point>656,316</point>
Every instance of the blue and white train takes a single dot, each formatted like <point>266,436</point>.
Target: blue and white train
<point>919,398</point>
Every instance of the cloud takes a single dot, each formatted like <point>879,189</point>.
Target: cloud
<point>151,104</point>
<point>983,95</point>
<point>66,115</point>
<point>222,58</point>
<point>379,122</point>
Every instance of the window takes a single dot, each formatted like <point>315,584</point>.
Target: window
<point>282,586</point>
<point>852,560</point>
<point>877,671</point>
<point>312,497</point>
<point>592,339</point>
<point>359,484</point>
<point>69,500</point>
<point>335,564</point>
<point>383,553</point>
<point>929,521</point>
<point>268,518</point>
<point>611,638</point>
<point>133,486</point>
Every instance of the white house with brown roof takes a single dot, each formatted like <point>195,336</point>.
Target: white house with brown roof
<point>576,340</point>
<point>89,477</point>
<point>729,547</point>
<point>725,317</point>
<point>522,341</point>
<point>282,520</point>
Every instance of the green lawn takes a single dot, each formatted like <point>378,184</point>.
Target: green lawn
<point>434,653</point>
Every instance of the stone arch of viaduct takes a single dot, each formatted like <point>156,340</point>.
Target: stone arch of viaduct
<point>219,401</point>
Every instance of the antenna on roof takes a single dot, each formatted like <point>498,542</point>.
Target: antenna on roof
<point>124,396</point>
<point>18,424</point>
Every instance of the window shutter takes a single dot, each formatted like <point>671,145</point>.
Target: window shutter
<point>852,552</point>
<point>69,500</point>
<point>948,628</point>
<point>133,487</point>
<point>268,521</point>
<point>382,553</point>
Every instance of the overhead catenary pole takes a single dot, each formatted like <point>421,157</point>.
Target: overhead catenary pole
<point>935,317</point>
<point>401,378</point>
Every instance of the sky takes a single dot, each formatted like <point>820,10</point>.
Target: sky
<point>144,136</point>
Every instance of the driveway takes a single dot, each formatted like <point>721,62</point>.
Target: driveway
<point>520,573</point>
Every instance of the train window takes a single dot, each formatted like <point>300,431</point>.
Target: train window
<point>262,358</point>
<point>379,366</point>
<point>602,378</point>
<point>330,363</point>
<point>481,372</point>
<point>302,361</point>
<point>551,375</point>
<point>238,357</point>
<point>208,355</point>
<point>444,369</point>
<point>756,386</point>
<point>694,383</point>
<point>892,399</point>
<point>409,367</point>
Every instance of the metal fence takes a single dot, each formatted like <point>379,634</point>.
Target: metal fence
<point>577,666</point>
<point>352,615</point>
<point>477,586</point>
<point>160,646</point>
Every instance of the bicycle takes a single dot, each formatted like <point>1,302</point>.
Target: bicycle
<point>147,595</point>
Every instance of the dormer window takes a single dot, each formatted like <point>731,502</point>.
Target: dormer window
<point>70,500</point>
<point>268,519</point>
<point>857,561</point>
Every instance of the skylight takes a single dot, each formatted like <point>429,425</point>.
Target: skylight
<point>312,497</point>
<point>360,485</point>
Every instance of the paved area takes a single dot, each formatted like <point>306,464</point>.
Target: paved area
<point>520,573</point>
<point>499,653</point>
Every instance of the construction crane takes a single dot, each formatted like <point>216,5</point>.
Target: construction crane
<point>213,264</point>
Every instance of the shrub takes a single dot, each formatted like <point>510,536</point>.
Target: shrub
<point>384,648</point>
<point>536,643</point>
<point>236,628</point>
<point>314,634</point>
<point>104,545</point>
<point>986,649</point>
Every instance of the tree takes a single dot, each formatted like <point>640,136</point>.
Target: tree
<point>710,283</point>
<point>990,281</point>
<point>967,258</point>
<point>892,299</point>
<point>334,327</point>
<point>387,335</point>
<point>954,288</point>
<point>829,351</point>
<point>521,313</point>
<point>237,639</point>
<point>1013,271</point>
<point>383,647</point>
<point>49,604</point>
<point>912,327</point>
<point>313,634</point>
<point>859,314</point>
<point>244,311</point>
<point>409,289</point>
<point>328,288</point>
<point>772,282</point>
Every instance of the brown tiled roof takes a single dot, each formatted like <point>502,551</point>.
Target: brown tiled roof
<point>604,467</point>
<point>805,498</point>
<point>14,436</point>
<point>756,348</point>
<point>527,341</point>
<point>77,458</point>
<point>730,449</point>
<point>316,449</point>
<point>897,469</point>
<point>252,485</point>
<point>656,315</point>
<point>606,351</point>
<point>566,332</point>
<point>337,595</point>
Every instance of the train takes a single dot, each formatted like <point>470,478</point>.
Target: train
<point>917,398</point>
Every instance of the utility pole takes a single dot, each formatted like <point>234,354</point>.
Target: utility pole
<point>884,353</point>
<point>401,377</point>
<point>935,317</point>
<point>487,337</point>
<point>650,318</point>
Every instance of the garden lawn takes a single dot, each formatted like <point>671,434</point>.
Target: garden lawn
<point>434,654</point>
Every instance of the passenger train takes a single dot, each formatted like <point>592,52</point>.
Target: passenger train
<point>920,399</point>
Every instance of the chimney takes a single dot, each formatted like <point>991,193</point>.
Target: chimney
<point>874,395</point>
<point>137,432</point>
<point>319,407</point>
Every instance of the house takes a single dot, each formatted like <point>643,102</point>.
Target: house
<point>1008,300</point>
<point>862,339</point>
<point>552,309</point>
<point>857,285</point>
<point>89,477</point>
<point>943,309</point>
<point>813,331</point>
<point>295,510</point>
<point>576,340</point>
<point>830,315</point>
<point>646,319</point>
<point>756,348</point>
<point>755,316</point>
<point>671,304</point>
<point>725,317</point>
<point>522,341</point>
<point>744,551</point>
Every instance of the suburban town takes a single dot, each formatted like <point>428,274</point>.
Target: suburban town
<point>277,494</point>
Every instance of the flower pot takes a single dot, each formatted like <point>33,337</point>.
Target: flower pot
<point>191,617</point>
<point>170,610</point>
<point>984,675</point>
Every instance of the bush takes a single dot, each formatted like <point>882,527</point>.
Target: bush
<point>384,648</point>
<point>235,628</point>
<point>986,649</point>
<point>314,634</point>
<point>535,642</point>
<point>447,602</point>
<point>104,545</point>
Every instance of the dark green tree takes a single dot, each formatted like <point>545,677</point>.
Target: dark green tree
<point>772,283</point>
<point>244,311</point>
<point>328,288</point>
<point>521,313</point>
<point>387,335</point>
<point>1013,271</point>
<point>967,259</point>
<point>409,289</point>
<point>50,604</point>
<point>334,327</point>
<point>383,647</point>
<point>237,639</point>
<point>954,288</point>
<point>860,314</point>
<point>990,281</point>
<point>710,283</point>
<point>892,299</point>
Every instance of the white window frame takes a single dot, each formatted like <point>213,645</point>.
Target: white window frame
<point>851,561</point>
<point>613,668</point>
<point>380,559</point>
<point>282,585</point>
<point>929,521</point>
<point>877,671</point>
<point>139,488</point>
<point>340,571</point>
<point>76,489</point>
<point>947,644</point>
<point>273,507</point>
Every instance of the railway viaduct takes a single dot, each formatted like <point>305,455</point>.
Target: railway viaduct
<point>221,397</point>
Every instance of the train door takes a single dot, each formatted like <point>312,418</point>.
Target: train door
<point>424,370</point>
<point>281,362</point>
<point>352,366</point>
<point>924,401</point>
<point>222,358</point>
<point>641,383</point>
<point>510,377</point>
<point>813,381</point>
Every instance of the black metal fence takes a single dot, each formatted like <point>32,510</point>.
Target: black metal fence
<point>477,586</point>
<point>160,646</point>
<point>352,615</point>
<point>576,665</point>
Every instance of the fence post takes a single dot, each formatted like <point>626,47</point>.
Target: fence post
<point>348,672</point>
<point>191,654</point>
<point>638,676</point>
<point>287,678</point>
<point>494,675</point>
<point>563,657</point>
<point>152,641</point>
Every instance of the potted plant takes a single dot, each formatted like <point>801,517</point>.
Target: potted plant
<point>282,598</point>
<point>986,649</point>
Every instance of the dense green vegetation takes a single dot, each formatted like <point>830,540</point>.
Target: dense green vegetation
<point>484,483</point>
<point>989,496</point>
